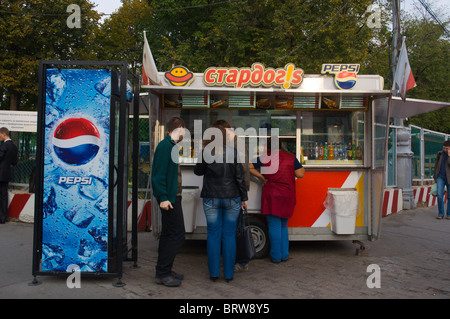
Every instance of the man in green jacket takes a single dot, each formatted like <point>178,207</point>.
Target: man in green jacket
<point>166,186</point>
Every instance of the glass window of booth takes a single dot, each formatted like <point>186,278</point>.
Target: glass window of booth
<point>315,137</point>
<point>256,120</point>
<point>332,137</point>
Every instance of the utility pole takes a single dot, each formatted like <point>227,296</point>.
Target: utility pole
<point>395,34</point>
<point>404,153</point>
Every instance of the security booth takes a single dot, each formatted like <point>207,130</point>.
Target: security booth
<point>336,124</point>
<point>82,169</point>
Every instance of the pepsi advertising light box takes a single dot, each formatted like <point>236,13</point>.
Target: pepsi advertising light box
<point>76,170</point>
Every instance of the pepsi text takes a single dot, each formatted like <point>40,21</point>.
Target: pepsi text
<point>72,180</point>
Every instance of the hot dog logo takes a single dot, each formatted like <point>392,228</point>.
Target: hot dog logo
<point>344,74</point>
<point>257,75</point>
<point>179,76</point>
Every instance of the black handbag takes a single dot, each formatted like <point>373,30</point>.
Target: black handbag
<point>245,246</point>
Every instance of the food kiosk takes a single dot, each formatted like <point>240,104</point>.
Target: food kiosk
<point>336,124</point>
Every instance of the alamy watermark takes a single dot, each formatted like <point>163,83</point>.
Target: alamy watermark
<point>264,141</point>
<point>74,279</point>
<point>374,19</point>
<point>74,20</point>
<point>374,279</point>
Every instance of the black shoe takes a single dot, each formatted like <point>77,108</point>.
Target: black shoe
<point>229,279</point>
<point>177,276</point>
<point>169,281</point>
<point>213,278</point>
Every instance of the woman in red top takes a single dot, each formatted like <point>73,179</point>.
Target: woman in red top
<point>278,197</point>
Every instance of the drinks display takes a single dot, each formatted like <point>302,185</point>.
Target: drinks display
<point>342,152</point>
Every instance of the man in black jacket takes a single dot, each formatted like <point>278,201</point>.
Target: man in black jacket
<point>442,178</point>
<point>8,157</point>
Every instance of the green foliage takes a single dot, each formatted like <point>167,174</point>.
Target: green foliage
<point>30,34</point>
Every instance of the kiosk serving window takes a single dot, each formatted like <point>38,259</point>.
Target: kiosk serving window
<point>320,136</point>
<point>332,137</point>
<point>284,120</point>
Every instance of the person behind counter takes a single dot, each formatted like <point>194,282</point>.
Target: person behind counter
<point>278,198</point>
<point>166,185</point>
<point>224,194</point>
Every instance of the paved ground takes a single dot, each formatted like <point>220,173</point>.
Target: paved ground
<point>413,256</point>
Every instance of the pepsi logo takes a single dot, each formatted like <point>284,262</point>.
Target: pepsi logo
<point>345,80</point>
<point>76,141</point>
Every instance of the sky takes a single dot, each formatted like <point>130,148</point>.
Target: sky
<point>109,6</point>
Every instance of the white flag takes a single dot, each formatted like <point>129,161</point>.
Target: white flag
<point>150,74</point>
<point>403,74</point>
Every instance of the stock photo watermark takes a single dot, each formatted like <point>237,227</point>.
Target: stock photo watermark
<point>74,20</point>
<point>374,279</point>
<point>74,279</point>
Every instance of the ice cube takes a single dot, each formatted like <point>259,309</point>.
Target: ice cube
<point>79,217</point>
<point>52,255</point>
<point>87,249</point>
<point>102,203</point>
<point>104,87</point>
<point>56,84</point>
<point>94,190</point>
<point>100,235</point>
<point>49,206</point>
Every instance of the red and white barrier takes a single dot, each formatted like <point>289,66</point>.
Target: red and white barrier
<point>422,195</point>
<point>392,201</point>
<point>21,208</point>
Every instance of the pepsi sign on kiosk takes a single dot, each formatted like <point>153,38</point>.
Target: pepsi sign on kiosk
<point>345,75</point>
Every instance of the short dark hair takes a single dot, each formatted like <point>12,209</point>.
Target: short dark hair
<point>222,123</point>
<point>4,130</point>
<point>447,143</point>
<point>174,123</point>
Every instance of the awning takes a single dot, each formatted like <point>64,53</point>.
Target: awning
<point>411,107</point>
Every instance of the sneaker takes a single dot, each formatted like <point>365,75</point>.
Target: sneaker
<point>169,281</point>
<point>440,217</point>
<point>240,267</point>
<point>448,216</point>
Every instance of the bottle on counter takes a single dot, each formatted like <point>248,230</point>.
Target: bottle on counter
<point>331,152</point>
<point>359,152</point>
<point>325,151</point>
<point>316,151</point>
<point>349,151</point>
<point>321,151</point>
<point>345,151</point>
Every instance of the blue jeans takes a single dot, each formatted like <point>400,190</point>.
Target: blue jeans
<point>440,196</point>
<point>221,218</point>
<point>279,237</point>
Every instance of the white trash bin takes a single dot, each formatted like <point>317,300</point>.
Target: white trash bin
<point>190,195</point>
<point>344,206</point>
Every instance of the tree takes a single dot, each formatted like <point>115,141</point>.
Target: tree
<point>120,37</point>
<point>33,30</point>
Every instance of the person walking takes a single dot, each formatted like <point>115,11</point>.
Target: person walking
<point>224,195</point>
<point>8,158</point>
<point>278,198</point>
<point>442,178</point>
<point>166,187</point>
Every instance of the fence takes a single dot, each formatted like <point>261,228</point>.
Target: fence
<point>425,144</point>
